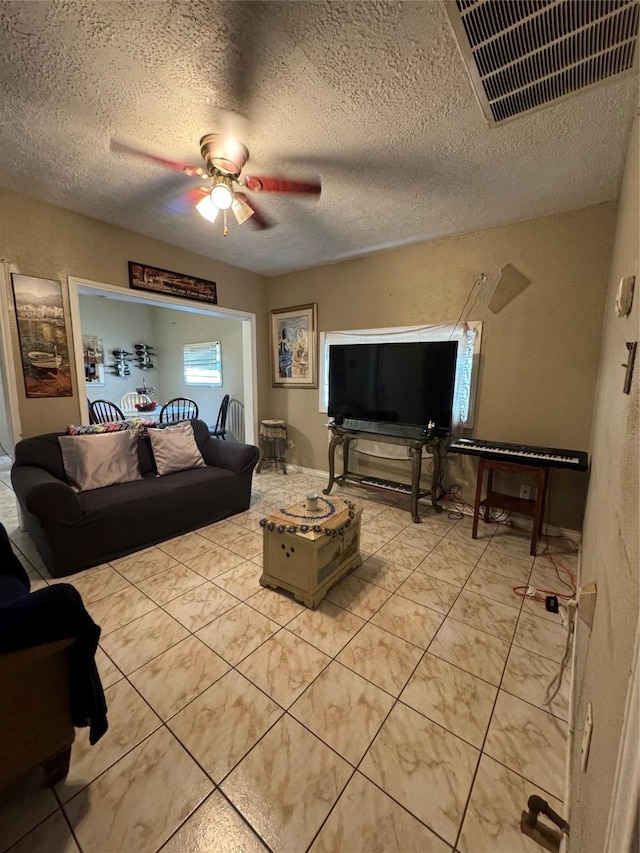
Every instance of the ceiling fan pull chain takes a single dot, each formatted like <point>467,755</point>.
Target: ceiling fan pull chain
<point>226,230</point>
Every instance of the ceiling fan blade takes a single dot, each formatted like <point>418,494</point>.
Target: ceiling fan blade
<point>258,219</point>
<point>186,201</point>
<point>121,148</point>
<point>281,185</point>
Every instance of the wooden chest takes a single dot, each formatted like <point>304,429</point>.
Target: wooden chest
<point>308,564</point>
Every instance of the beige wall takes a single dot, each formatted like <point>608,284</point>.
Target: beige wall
<point>539,354</point>
<point>43,240</point>
<point>118,325</point>
<point>172,330</point>
<point>610,556</point>
<point>121,324</point>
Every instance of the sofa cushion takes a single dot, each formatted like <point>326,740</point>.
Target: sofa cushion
<point>139,510</point>
<point>175,449</point>
<point>96,461</point>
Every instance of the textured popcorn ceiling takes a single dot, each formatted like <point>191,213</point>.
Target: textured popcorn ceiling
<point>372,97</point>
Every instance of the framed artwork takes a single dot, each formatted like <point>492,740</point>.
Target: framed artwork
<point>93,352</point>
<point>142,277</point>
<point>294,347</point>
<point>42,333</point>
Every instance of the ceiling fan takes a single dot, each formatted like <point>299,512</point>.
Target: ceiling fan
<point>225,158</point>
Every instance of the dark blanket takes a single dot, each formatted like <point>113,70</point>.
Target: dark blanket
<point>53,613</point>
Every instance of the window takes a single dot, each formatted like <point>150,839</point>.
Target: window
<point>202,364</point>
<point>467,334</point>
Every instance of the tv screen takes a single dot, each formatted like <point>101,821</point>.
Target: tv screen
<point>401,383</point>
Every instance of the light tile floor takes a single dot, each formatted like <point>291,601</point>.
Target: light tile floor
<point>404,714</point>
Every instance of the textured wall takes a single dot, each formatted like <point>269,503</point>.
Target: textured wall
<point>610,556</point>
<point>42,240</point>
<point>539,354</point>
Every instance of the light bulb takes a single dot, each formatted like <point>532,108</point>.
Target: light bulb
<point>207,209</point>
<point>221,196</point>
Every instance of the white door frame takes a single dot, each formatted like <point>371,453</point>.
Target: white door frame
<point>623,813</point>
<point>9,375</point>
<point>78,286</point>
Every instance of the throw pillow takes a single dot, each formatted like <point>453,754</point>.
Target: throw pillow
<point>175,449</point>
<point>104,459</point>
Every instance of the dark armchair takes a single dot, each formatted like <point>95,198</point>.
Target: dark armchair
<point>49,683</point>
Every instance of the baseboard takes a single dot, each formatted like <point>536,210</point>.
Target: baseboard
<point>523,522</point>
<point>527,525</point>
<point>313,471</point>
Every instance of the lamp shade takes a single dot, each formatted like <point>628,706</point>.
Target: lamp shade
<point>241,210</point>
<point>222,196</point>
<point>207,209</point>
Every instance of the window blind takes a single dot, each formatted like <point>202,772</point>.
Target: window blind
<point>202,363</point>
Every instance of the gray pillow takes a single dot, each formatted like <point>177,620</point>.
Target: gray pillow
<point>94,461</point>
<point>175,449</point>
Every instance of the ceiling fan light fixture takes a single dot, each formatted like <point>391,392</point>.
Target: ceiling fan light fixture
<point>221,195</point>
<point>207,208</point>
<point>241,210</point>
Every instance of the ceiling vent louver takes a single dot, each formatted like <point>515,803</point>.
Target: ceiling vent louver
<point>527,54</point>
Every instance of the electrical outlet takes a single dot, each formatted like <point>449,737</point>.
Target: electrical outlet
<point>586,737</point>
<point>525,492</point>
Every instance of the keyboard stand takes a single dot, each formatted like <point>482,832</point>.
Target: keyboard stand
<point>343,436</point>
<point>531,507</point>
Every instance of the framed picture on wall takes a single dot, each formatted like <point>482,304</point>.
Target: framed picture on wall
<point>294,347</point>
<point>142,277</point>
<point>93,352</point>
<point>42,332</point>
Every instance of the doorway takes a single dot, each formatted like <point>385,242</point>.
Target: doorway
<point>245,322</point>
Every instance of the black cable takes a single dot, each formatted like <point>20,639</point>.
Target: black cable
<point>549,555</point>
<point>473,287</point>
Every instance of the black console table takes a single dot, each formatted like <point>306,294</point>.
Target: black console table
<point>345,434</point>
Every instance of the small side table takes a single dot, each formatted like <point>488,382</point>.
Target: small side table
<point>532,507</point>
<point>273,443</point>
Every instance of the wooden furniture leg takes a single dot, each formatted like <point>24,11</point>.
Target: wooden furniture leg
<point>542,477</point>
<point>57,768</point>
<point>476,508</point>
<point>415,453</point>
<point>336,439</point>
<point>437,471</point>
<point>487,508</point>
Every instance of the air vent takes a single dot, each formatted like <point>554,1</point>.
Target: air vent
<point>526,54</point>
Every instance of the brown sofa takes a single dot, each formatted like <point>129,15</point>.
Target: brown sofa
<point>75,530</point>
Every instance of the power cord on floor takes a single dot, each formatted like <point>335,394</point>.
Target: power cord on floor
<point>568,613</point>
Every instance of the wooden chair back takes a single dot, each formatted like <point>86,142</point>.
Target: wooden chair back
<point>104,411</point>
<point>178,409</point>
<point>220,429</point>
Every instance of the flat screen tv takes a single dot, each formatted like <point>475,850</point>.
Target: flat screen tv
<point>395,383</point>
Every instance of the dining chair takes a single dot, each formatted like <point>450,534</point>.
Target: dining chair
<point>104,411</point>
<point>220,429</point>
<point>128,401</point>
<point>235,420</point>
<point>178,409</point>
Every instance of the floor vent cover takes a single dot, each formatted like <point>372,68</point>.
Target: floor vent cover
<point>523,55</point>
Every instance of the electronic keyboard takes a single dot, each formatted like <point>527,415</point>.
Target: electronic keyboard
<point>389,485</point>
<point>523,454</point>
